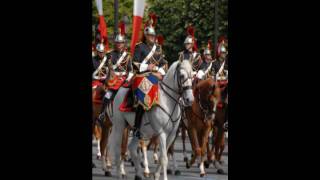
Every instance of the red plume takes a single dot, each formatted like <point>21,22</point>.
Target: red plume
<point>209,44</point>
<point>122,28</point>
<point>153,17</point>
<point>160,40</point>
<point>190,30</point>
<point>221,38</point>
<point>103,32</point>
<point>195,47</point>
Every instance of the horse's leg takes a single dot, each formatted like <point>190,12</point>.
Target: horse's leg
<point>170,158</point>
<point>133,146</point>
<point>155,142</point>
<point>124,144</point>
<point>221,145</point>
<point>209,151</point>
<point>173,160</point>
<point>204,135</point>
<point>114,143</point>
<point>106,165</point>
<point>197,149</point>
<point>98,149</point>
<point>146,171</point>
<point>163,157</point>
<point>217,142</point>
<point>155,150</point>
<point>183,136</point>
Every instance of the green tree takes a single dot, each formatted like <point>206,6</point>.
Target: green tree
<point>173,18</point>
<point>175,15</point>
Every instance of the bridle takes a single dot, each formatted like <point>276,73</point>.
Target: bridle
<point>206,108</point>
<point>181,89</point>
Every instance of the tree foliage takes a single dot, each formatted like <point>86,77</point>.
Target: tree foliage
<point>173,18</point>
<point>176,15</point>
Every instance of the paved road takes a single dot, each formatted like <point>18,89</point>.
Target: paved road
<point>186,174</point>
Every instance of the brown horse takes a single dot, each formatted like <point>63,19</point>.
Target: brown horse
<point>200,119</point>
<point>97,94</point>
<point>218,129</point>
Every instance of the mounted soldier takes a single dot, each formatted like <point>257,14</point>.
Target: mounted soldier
<point>150,68</point>
<point>220,71</point>
<point>206,65</point>
<point>119,67</point>
<point>190,52</point>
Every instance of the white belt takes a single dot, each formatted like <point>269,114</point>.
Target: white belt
<point>120,73</point>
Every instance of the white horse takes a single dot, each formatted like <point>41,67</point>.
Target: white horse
<point>162,120</point>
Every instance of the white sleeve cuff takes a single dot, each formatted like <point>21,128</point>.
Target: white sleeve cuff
<point>161,71</point>
<point>129,76</point>
<point>143,67</point>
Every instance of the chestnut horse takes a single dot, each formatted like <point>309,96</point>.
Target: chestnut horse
<point>200,118</point>
<point>219,129</point>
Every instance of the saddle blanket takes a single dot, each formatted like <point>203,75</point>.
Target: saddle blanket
<point>116,82</point>
<point>146,90</point>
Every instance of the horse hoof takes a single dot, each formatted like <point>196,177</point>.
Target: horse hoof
<point>177,173</point>
<point>198,165</point>
<point>169,171</point>
<point>221,162</point>
<point>93,165</point>
<point>124,176</point>
<point>142,165</point>
<point>107,173</point>
<point>220,171</point>
<point>146,175</point>
<point>187,165</point>
<point>156,161</point>
<point>98,157</point>
<point>132,164</point>
<point>202,174</point>
<point>109,167</point>
<point>137,178</point>
<point>185,159</point>
<point>206,164</point>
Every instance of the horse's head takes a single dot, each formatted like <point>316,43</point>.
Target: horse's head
<point>184,76</point>
<point>208,96</point>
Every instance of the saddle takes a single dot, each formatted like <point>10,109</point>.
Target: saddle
<point>128,102</point>
<point>97,95</point>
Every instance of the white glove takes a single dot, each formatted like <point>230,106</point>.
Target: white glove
<point>200,74</point>
<point>130,75</point>
<point>143,67</point>
<point>161,71</point>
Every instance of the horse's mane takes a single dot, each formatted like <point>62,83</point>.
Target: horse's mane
<point>206,82</point>
<point>183,64</point>
<point>204,85</point>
